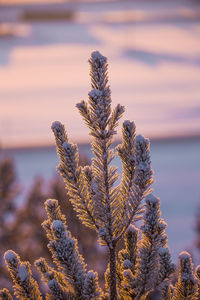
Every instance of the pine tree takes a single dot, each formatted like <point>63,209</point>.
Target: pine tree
<point>111,210</point>
<point>29,238</point>
<point>9,190</point>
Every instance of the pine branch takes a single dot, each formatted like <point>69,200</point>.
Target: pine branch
<point>91,287</point>
<point>128,259</point>
<point>54,213</point>
<point>126,153</point>
<point>197,275</point>
<point>143,177</point>
<point>149,271</point>
<point>100,109</point>
<point>5,295</point>
<point>58,286</point>
<point>85,113</point>
<point>144,173</point>
<point>166,268</point>
<point>127,289</point>
<point>185,287</point>
<point>65,252</point>
<point>57,292</point>
<point>24,285</point>
<point>128,256</point>
<point>73,176</point>
<point>102,123</point>
<point>137,174</point>
<point>166,289</point>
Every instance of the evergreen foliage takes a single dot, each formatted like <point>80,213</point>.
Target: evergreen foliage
<point>9,190</point>
<point>24,232</point>
<point>111,210</point>
<point>25,286</point>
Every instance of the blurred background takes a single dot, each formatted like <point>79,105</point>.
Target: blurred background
<point>153,50</point>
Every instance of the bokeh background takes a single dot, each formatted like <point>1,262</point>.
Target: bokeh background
<point>153,49</point>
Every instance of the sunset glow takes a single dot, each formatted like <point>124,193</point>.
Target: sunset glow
<point>153,72</point>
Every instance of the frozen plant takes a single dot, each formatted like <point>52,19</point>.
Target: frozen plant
<point>111,210</point>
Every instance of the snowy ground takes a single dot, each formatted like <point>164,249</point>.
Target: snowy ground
<point>153,50</point>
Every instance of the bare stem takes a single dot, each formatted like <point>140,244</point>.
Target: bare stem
<point>113,282</point>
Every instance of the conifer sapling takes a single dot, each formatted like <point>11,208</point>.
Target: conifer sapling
<point>111,210</point>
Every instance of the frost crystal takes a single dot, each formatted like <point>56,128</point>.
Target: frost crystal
<point>10,256</point>
<point>52,283</point>
<point>95,94</point>
<point>57,225</point>
<point>140,139</point>
<point>23,273</point>
<point>152,199</point>
<point>56,125</point>
<point>66,146</point>
<point>184,256</point>
<point>127,264</point>
<point>162,251</point>
<point>98,58</point>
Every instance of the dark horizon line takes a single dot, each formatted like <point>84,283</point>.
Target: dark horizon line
<point>117,141</point>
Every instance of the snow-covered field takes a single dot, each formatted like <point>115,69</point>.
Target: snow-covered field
<point>154,66</point>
